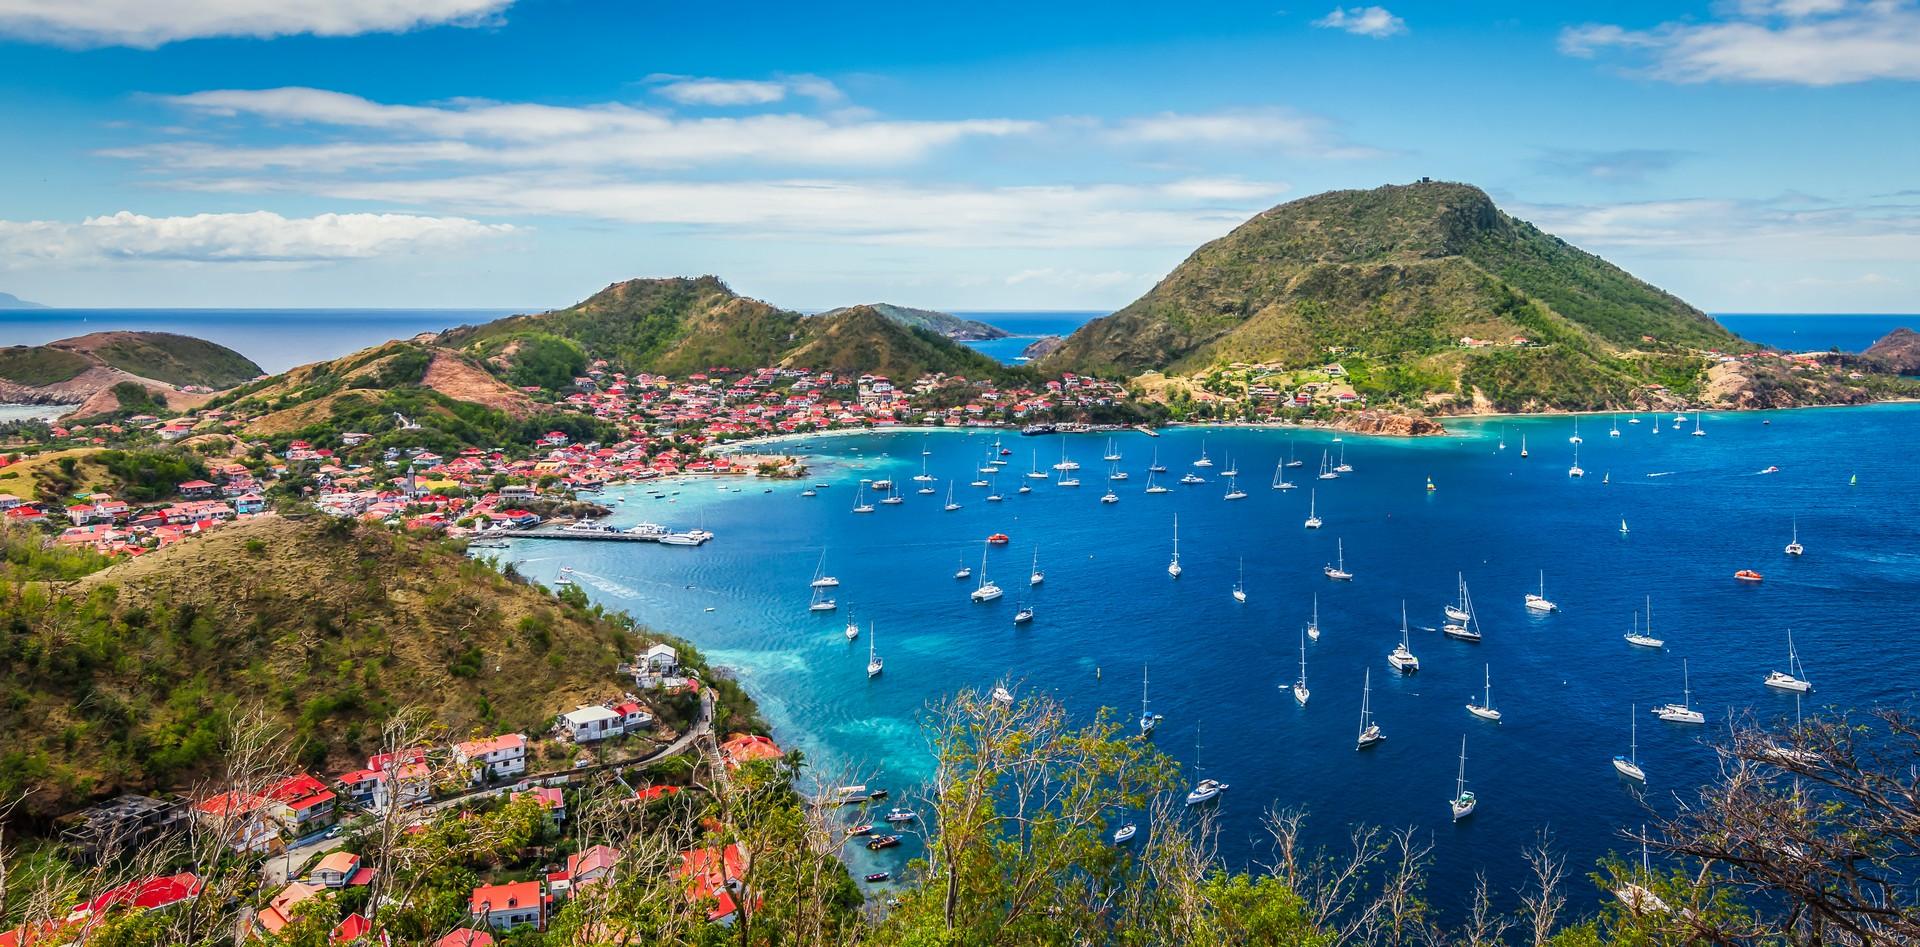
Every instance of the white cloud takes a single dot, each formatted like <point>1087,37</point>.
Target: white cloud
<point>693,90</point>
<point>1080,280</point>
<point>151,23</point>
<point>1289,131</point>
<point>257,237</point>
<point>1363,21</point>
<point>1804,42</point>
<point>1787,230</point>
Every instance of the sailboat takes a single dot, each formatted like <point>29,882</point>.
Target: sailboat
<point>1293,461</point>
<point>1037,577</point>
<point>1233,489</point>
<point>1616,427</point>
<point>1207,789</point>
<point>853,627</point>
<point>1154,487</point>
<point>923,476</point>
<point>1646,639</point>
<point>1115,473</point>
<point>1540,602</point>
<point>1369,731</point>
<point>1523,445</point>
<point>1794,548</point>
<point>1634,419</point>
<point>1280,481</point>
<point>1113,452</point>
<point>821,580</point>
<point>1109,496</point>
<point>1148,721</point>
<point>1036,473</point>
<point>1326,468</point>
<point>1680,712</point>
<point>1066,463</point>
<point>964,572</point>
<point>1233,469</point>
<point>1313,506</point>
<point>1173,568</point>
<point>1067,479</point>
<point>1484,710</point>
<point>1656,424</point>
<point>1629,765</point>
<point>1023,615</point>
<point>1463,802</point>
<point>987,591</point>
<point>1313,624</point>
<point>1155,466</point>
<point>1343,466</point>
<point>1623,526</point>
<point>1696,427</point>
<point>1575,471</point>
<point>1402,657</point>
<point>821,603</point>
<point>1204,461</point>
<point>1468,630</point>
<point>1794,677</point>
<point>951,506</point>
<point>874,664</point>
<point>1575,439</point>
<point>860,504</point>
<point>1503,438</point>
<point>1240,586</point>
<point>1458,611</point>
<point>1300,692</point>
<point>1339,573</point>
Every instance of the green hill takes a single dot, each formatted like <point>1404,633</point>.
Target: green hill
<point>862,339</point>
<point>178,360</point>
<point>940,323</point>
<point>1389,281</point>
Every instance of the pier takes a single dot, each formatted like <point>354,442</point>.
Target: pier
<point>605,536</point>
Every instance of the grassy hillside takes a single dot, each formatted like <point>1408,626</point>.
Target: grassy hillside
<point>40,365</point>
<point>130,676</point>
<point>862,339</point>
<point>1391,279</point>
<point>939,323</point>
<point>178,360</point>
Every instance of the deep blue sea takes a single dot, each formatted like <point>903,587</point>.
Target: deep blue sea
<point>1698,509</point>
<point>1025,327</point>
<point>1799,333</point>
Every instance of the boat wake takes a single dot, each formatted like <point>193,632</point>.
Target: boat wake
<point>1663,473</point>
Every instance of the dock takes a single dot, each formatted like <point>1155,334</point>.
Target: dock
<point>601,536</point>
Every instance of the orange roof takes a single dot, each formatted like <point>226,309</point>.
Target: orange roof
<point>465,939</point>
<point>229,803</point>
<point>342,862</point>
<point>279,912</point>
<point>707,873</point>
<point>742,747</point>
<point>597,858</point>
<point>501,897</point>
<point>505,741</point>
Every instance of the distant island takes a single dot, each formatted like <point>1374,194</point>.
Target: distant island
<point>104,371</point>
<point>10,301</point>
<point>944,323</point>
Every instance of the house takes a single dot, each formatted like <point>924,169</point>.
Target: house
<point>592,865</point>
<point>337,870</point>
<point>198,490</point>
<point>279,912</point>
<point>465,938</point>
<point>507,906</point>
<point>714,877</point>
<point>742,748</point>
<point>497,757</point>
<point>303,804</point>
<point>353,929</point>
<point>633,717</point>
<point>588,724</point>
<point>376,789</point>
<point>245,818</point>
<point>151,894</point>
<point>549,798</point>
<point>661,659</point>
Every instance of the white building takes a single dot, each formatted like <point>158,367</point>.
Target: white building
<point>592,723</point>
<point>497,757</point>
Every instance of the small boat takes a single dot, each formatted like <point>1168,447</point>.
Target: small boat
<point>1313,624</point>
<point>1623,526</point>
<point>1463,802</point>
<point>1037,577</point>
<point>1634,419</point>
<point>1343,466</point>
<point>1126,834</point>
<point>1574,471</point>
<point>809,492</point>
<point>1154,487</point>
<point>864,828</point>
<point>1110,497</point>
<point>1113,452</point>
<point>994,498</point>
<point>879,842</point>
<point>1066,463</point>
<point>853,627</point>
<point>1300,692</point>
<point>1748,575</point>
<point>1794,677</point>
<point>1191,478</point>
<point>860,504</point>
<point>1233,489</point>
<point>1680,712</point>
<point>1240,585</point>
<point>1458,611</point>
<point>1485,709</point>
<point>1369,731</point>
<point>874,663</point>
<point>1280,481</point>
<point>951,506</point>
<point>821,580</point>
<point>1468,630</point>
<point>1616,427</point>
<point>879,876</point>
<point>1401,658</point>
<point>1607,477</point>
<point>998,539</point>
<point>1696,427</point>
<point>1629,765</point>
<point>923,476</point>
<point>1002,696</point>
<point>1339,573</point>
<point>1794,548</point>
<point>1203,461</point>
<point>1540,602</point>
<point>898,815</point>
<point>964,572</point>
<point>821,603</point>
<point>926,491</point>
<point>1147,721</point>
<point>1024,489</point>
<point>1326,468</point>
<point>1575,439</point>
<point>1155,466</point>
<point>1024,615</point>
<point>1293,461</point>
<point>1313,509</point>
<point>1206,790</point>
<point>987,590</point>
<point>1640,639</point>
<point>877,794</point>
<point>1430,486</point>
<point>1173,567</point>
<point>1523,445</point>
<point>893,498</point>
<point>1036,473</point>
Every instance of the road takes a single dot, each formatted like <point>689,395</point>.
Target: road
<point>286,865</point>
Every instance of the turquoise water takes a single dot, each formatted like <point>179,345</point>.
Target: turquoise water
<point>1025,327</point>
<point>1698,509</point>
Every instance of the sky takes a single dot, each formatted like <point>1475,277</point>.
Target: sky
<point>1748,155</point>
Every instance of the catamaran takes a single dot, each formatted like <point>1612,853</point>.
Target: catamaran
<point>1484,709</point>
<point>951,506</point>
<point>1240,586</point>
<point>1204,461</point>
<point>874,663</point>
<point>1147,720</point>
<point>1037,577</point>
<point>1300,692</point>
<point>1616,427</point>
<point>1540,602</point>
<point>1629,765</point>
<point>1680,712</point>
<point>1339,573</point>
<point>821,580</point>
<point>1463,802</point>
<point>1644,640</point>
<point>1696,427</point>
<point>987,591</point>
<point>1233,489</point>
<point>1313,624</point>
<point>1402,657</point>
<point>1575,471</point>
<point>1173,567</point>
<point>923,476</point>
<point>1458,611</point>
<point>1468,630</point>
<point>1369,731</point>
<point>1794,677</point>
<point>1313,506</point>
<point>1110,497</point>
<point>1280,481</point>
<point>1575,439</point>
<point>1794,548</point>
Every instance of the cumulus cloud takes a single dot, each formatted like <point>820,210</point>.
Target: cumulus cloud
<point>150,23</point>
<point>694,90</point>
<point>257,237</point>
<point>1283,129</point>
<point>1376,22</point>
<point>1803,42</point>
<point>1788,229</point>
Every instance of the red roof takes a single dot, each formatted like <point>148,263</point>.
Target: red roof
<point>353,928</point>
<point>741,748</point>
<point>465,939</point>
<point>157,892</point>
<point>501,897</point>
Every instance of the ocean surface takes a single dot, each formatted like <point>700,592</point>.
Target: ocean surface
<point>1698,508</point>
<point>1025,328</point>
<point>1801,333</point>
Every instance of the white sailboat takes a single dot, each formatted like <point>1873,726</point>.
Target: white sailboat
<point>1115,474</point>
<point>1575,439</point>
<point>1696,426</point>
<point>1656,424</point>
<point>1300,692</point>
<point>1339,573</point>
<point>987,591</point>
<point>1794,548</point>
<point>1067,479</point>
<point>1148,721</point>
<point>1468,630</point>
<point>1204,461</point>
<point>1155,466</point>
<point>1326,468</point>
<point>1523,445</point>
<point>1154,487</point>
<point>1681,712</point>
<point>1233,489</point>
<point>1623,526</point>
<point>1794,678</point>
<point>1343,466</point>
<point>1485,709</point>
<point>1233,469</point>
<point>1293,461</point>
<point>1540,602</point>
<point>1023,614</point>
<point>1629,765</point>
<point>1280,481</point>
<point>1037,577</point>
<point>874,664</point>
<point>1066,463</point>
<point>1240,585</point>
<point>1207,789</point>
<point>1575,471</point>
<point>853,627</point>
<point>1173,567</point>
<point>1036,473</point>
<point>1402,657</point>
<point>1313,507</point>
<point>860,504</point>
<point>1646,639</point>
<point>951,506</point>
<point>1313,624</point>
<point>923,476</point>
<point>1109,497</point>
<point>1615,432</point>
<point>1113,452</point>
<point>1463,802</point>
<point>821,603</point>
<point>821,580</point>
<point>964,572</point>
<point>1369,731</point>
<point>1458,611</point>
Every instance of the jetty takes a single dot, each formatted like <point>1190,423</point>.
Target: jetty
<point>695,537</point>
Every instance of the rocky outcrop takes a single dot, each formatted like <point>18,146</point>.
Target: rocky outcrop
<point>1382,422</point>
<point>1042,347</point>
<point>1898,352</point>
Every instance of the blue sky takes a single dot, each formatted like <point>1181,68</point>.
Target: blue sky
<point>1750,155</point>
